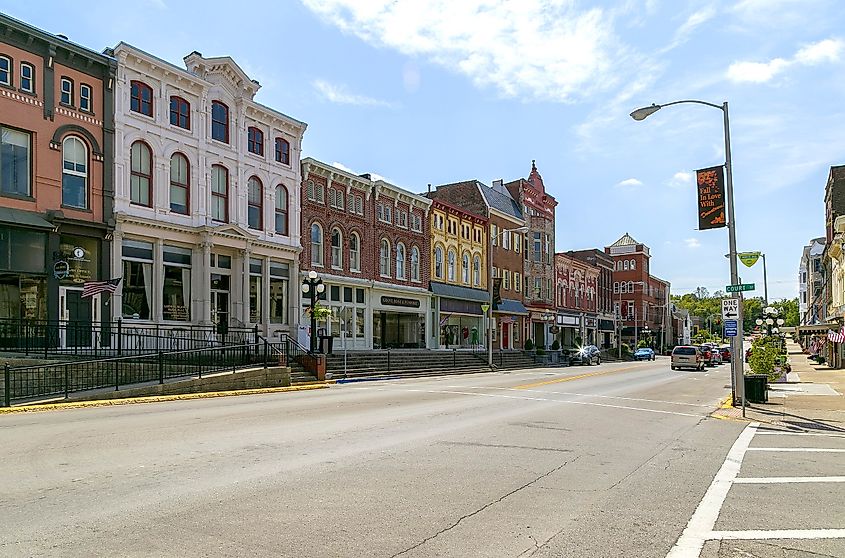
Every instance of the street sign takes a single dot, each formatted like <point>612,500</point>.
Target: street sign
<point>730,328</point>
<point>739,288</point>
<point>730,309</point>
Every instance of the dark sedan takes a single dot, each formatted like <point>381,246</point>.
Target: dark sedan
<point>586,356</point>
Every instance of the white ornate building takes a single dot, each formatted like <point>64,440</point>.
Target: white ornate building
<point>206,196</point>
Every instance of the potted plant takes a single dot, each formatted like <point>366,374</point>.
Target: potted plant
<point>554,353</point>
<point>540,356</point>
<point>529,346</point>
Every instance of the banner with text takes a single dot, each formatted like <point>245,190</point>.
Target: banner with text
<point>711,198</point>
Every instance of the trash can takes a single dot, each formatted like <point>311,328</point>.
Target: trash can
<point>326,344</point>
<point>756,388</point>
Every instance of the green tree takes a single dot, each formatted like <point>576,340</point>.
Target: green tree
<point>788,310</point>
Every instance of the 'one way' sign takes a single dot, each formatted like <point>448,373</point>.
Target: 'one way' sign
<point>730,309</point>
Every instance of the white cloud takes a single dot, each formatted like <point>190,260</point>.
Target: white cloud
<point>340,95</point>
<point>535,49</point>
<point>681,179</point>
<point>827,50</point>
<point>692,243</point>
<point>630,182</point>
<point>682,34</point>
<point>823,51</point>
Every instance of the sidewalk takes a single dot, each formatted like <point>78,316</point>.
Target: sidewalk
<point>814,403</point>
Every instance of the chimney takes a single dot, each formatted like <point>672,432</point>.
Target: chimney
<point>429,189</point>
<point>499,186</point>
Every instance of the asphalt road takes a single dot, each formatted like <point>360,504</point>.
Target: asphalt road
<point>608,460</point>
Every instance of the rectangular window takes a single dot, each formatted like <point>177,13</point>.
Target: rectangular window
<point>137,279</point>
<point>359,205</point>
<point>85,101</point>
<point>27,77</point>
<point>282,151</point>
<point>506,240</point>
<point>538,288</point>
<point>5,71</point>
<point>255,141</point>
<point>359,296</point>
<point>180,113</point>
<point>279,281</point>
<point>15,161</point>
<point>219,194</point>
<point>507,281</point>
<point>66,93</point>
<point>517,281</point>
<point>538,256</point>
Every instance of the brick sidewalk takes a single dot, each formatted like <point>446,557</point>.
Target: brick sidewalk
<point>801,412</point>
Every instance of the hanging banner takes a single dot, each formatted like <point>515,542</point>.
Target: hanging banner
<point>749,258</point>
<point>711,198</point>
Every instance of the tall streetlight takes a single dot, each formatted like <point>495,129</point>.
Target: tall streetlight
<point>737,384</point>
<point>490,324</point>
<point>313,286</point>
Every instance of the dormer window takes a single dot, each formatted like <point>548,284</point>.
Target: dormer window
<point>255,141</point>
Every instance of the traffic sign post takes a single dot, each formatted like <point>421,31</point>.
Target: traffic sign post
<point>739,288</point>
<point>730,309</point>
<point>731,329</point>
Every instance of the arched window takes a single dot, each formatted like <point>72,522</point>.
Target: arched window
<point>400,261</point>
<point>385,258</point>
<point>476,271</point>
<point>282,151</point>
<point>27,77</point>
<point>219,121</point>
<point>450,264</point>
<point>74,173</point>
<point>465,268</point>
<point>255,141</point>
<point>316,244</point>
<point>626,265</point>
<point>141,177</point>
<point>180,112</point>
<point>281,210</point>
<point>255,203</point>
<point>354,252</point>
<point>415,263</point>
<point>141,98</point>
<point>180,187</point>
<point>630,286</point>
<point>5,71</point>
<point>633,264</point>
<point>337,249</point>
<point>219,193</point>
<point>438,262</point>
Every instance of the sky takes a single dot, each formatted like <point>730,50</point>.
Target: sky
<point>437,91</point>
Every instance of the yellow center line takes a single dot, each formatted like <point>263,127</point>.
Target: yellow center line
<point>578,377</point>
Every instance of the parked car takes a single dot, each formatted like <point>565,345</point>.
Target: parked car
<point>687,356</point>
<point>644,353</point>
<point>726,354</point>
<point>707,355</point>
<point>715,356</point>
<point>586,355</point>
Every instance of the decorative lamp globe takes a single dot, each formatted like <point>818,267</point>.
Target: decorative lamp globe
<point>321,288</point>
<point>780,321</point>
<point>769,321</point>
<point>758,321</point>
<point>305,288</point>
<point>312,274</point>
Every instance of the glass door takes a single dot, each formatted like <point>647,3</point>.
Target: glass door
<point>220,311</point>
<point>78,317</point>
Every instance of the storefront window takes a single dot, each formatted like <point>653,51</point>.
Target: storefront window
<point>279,278</point>
<point>22,250</point>
<point>137,279</point>
<point>255,273</point>
<point>176,292</point>
<point>23,297</point>
<point>82,255</point>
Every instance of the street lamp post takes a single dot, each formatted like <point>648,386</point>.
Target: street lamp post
<point>737,384</point>
<point>313,286</point>
<point>489,312</point>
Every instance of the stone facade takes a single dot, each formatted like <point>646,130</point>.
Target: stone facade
<point>368,241</point>
<point>538,208</point>
<point>56,188</point>
<point>207,196</point>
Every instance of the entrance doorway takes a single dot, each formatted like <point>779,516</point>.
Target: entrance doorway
<point>506,335</point>
<point>78,316</point>
<point>220,311</point>
<point>539,334</point>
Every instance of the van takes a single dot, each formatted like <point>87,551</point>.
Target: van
<point>687,356</point>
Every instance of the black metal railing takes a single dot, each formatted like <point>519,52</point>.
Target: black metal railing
<point>287,352</point>
<point>62,379</point>
<point>113,339</point>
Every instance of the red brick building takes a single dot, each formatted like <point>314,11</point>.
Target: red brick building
<point>642,300</point>
<point>368,240</point>
<point>604,321</point>
<point>56,184</point>
<point>538,250</point>
<point>576,300</point>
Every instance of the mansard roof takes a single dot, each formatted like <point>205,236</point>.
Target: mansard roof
<point>626,240</point>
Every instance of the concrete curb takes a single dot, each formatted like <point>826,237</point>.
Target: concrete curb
<point>153,399</point>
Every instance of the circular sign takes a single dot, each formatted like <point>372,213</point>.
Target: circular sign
<point>78,253</point>
<point>61,269</point>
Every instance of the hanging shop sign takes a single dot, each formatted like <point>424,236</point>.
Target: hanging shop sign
<point>61,269</point>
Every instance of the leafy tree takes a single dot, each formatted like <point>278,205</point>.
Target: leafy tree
<point>788,310</point>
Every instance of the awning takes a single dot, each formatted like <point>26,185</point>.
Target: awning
<point>817,328</point>
<point>511,307</point>
<point>461,293</point>
<point>21,218</point>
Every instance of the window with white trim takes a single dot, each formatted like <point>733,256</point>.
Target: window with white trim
<point>384,258</point>
<point>66,92</point>
<point>316,244</point>
<point>400,261</point>
<point>354,252</point>
<point>337,249</point>
<point>5,71</point>
<point>415,263</point>
<point>27,77</point>
<point>85,100</point>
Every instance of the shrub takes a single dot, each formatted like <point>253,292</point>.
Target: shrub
<point>764,355</point>
<point>529,345</point>
<point>642,344</point>
<point>578,341</point>
<point>541,352</point>
<point>556,345</point>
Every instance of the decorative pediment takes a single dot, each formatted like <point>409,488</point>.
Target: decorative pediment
<point>232,231</point>
<point>223,71</point>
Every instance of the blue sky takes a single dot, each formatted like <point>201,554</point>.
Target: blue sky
<point>444,90</point>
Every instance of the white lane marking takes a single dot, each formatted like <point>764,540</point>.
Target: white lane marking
<point>502,396</point>
<point>701,523</point>
<point>786,480</point>
<point>779,534</point>
<point>818,450</point>
<point>770,433</point>
<point>585,395</point>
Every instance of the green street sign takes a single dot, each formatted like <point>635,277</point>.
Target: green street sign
<point>739,288</point>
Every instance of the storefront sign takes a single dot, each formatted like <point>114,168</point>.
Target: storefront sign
<point>61,269</point>
<point>590,322</point>
<point>396,301</point>
<point>568,320</point>
<point>81,254</point>
<point>606,325</point>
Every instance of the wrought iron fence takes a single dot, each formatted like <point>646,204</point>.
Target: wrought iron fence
<point>113,339</point>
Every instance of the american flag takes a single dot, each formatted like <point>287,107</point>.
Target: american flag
<point>90,288</point>
<point>837,337</point>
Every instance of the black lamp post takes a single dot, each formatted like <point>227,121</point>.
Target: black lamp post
<point>312,286</point>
